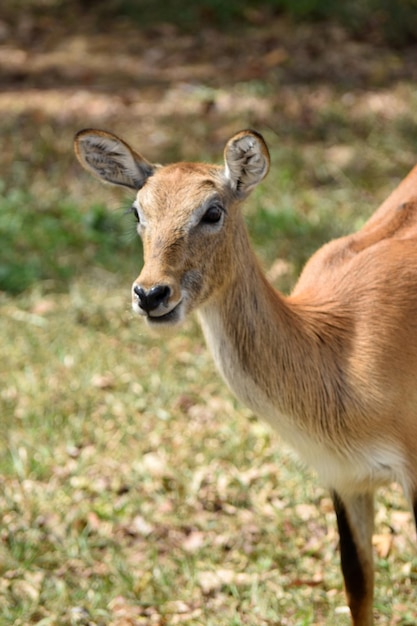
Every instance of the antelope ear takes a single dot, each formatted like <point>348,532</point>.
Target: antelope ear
<point>111,159</point>
<point>247,160</point>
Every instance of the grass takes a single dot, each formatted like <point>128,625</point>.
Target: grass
<point>133,493</point>
<point>134,489</point>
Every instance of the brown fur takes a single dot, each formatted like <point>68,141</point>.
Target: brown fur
<point>333,366</point>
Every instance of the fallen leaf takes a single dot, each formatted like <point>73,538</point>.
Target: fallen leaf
<point>141,526</point>
<point>210,581</point>
<point>42,307</point>
<point>275,57</point>
<point>383,544</point>
<point>103,381</point>
<point>194,541</point>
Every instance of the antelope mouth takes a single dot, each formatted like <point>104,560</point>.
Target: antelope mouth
<point>171,317</point>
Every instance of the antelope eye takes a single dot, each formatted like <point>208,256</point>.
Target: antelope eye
<point>212,215</point>
<point>135,212</point>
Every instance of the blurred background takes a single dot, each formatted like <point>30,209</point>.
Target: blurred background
<point>134,489</point>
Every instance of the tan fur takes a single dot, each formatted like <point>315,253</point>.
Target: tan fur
<point>332,367</point>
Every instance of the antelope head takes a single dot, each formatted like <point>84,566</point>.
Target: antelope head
<point>188,216</point>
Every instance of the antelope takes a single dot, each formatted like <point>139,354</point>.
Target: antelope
<point>332,367</point>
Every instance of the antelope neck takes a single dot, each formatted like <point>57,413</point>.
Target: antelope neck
<point>278,355</point>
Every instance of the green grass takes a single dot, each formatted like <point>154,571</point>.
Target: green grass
<point>134,489</point>
<point>53,240</point>
<point>396,22</point>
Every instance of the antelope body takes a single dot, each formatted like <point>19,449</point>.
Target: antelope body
<point>332,367</point>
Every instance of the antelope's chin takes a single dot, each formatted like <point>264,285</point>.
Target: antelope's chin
<point>171,318</point>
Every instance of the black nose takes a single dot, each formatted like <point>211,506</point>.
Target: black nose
<point>151,299</point>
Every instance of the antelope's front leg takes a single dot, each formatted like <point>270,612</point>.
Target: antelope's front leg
<point>355,521</point>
